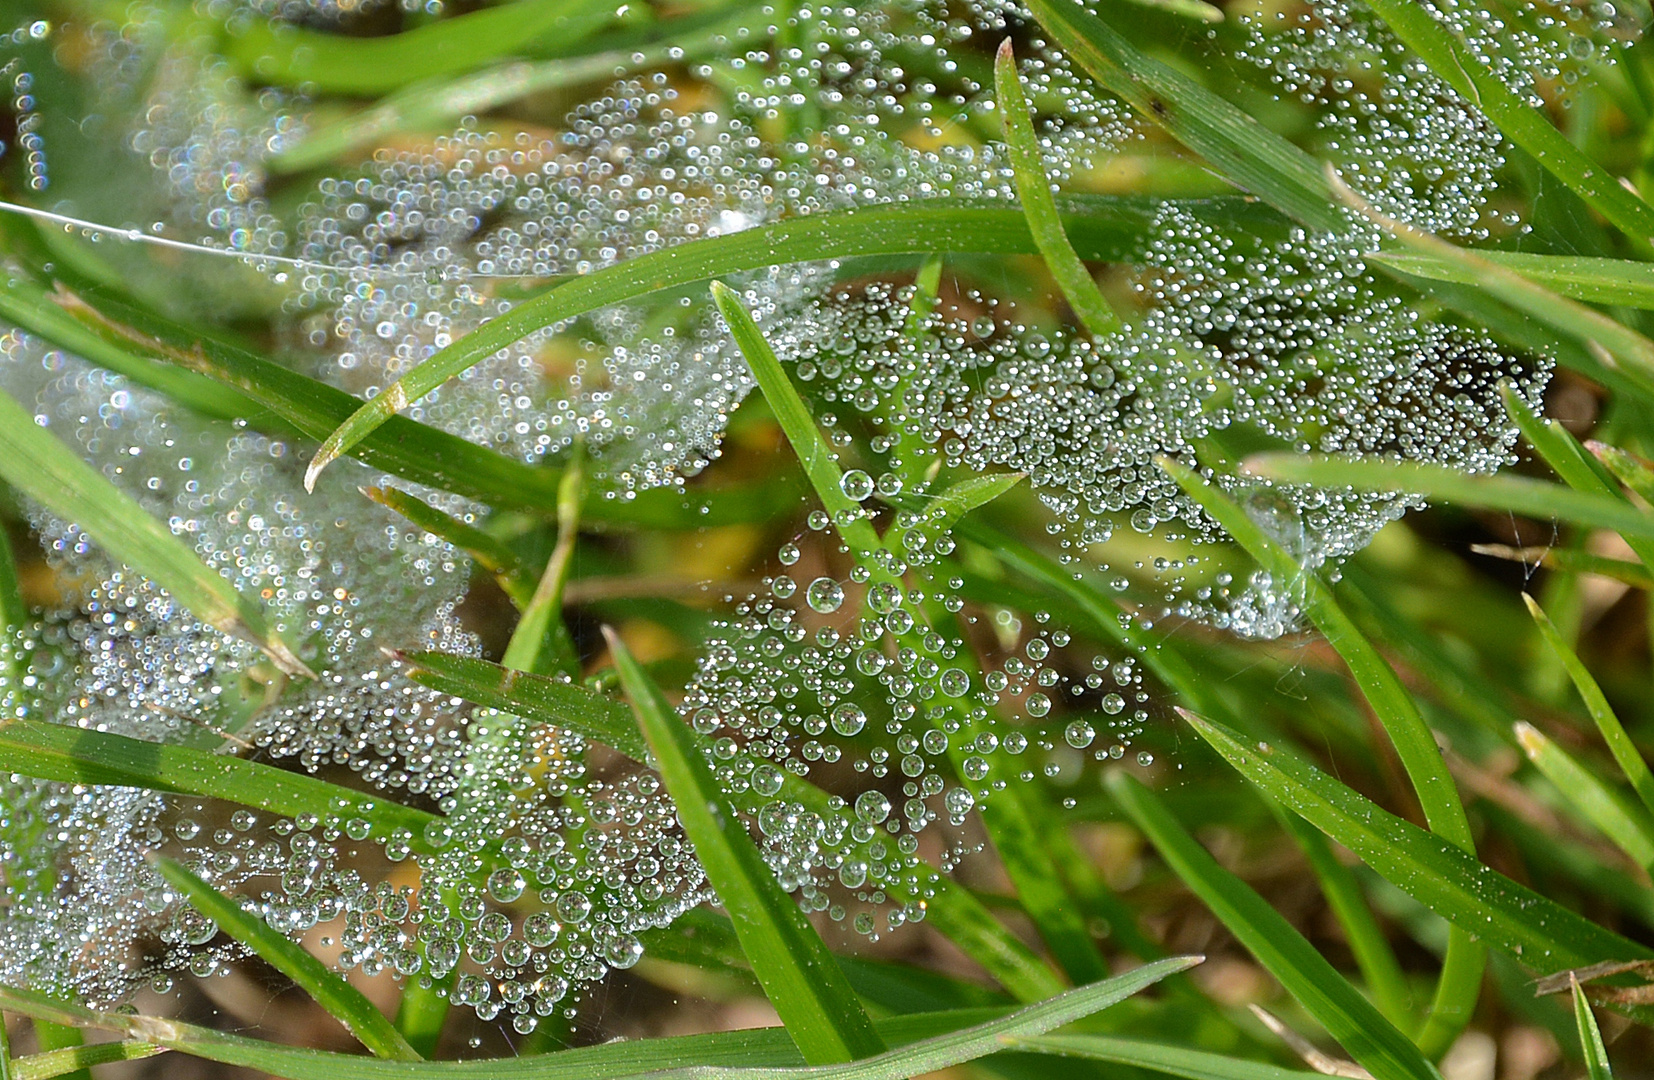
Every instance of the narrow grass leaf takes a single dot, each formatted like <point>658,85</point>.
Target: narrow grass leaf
<point>1540,933</point>
<point>1100,227</point>
<point>51,1036</point>
<point>342,1001</point>
<point>34,462</point>
<point>1628,469</point>
<point>1630,830</point>
<point>1349,1018</point>
<point>929,1043</point>
<point>1421,29</point>
<point>1630,573</point>
<point>1590,1037</point>
<point>1415,744</point>
<point>800,977</point>
<point>1517,494</point>
<point>541,642</point>
<point>76,1058</point>
<point>1243,150</point>
<point>1619,282</point>
<point>1625,752</point>
<point>488,552</point>
<point>1155,1057</point>
<point>1034,191</point>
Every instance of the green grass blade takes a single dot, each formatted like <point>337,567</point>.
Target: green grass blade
<point>1517,494</point>
<point>1567,559</point>
<point>341,64</point>
<point>800,977</point>
<point>541,642</point>
<point>1100,227</point>
<point>1415,744</point>
<point>71,755</point>
<point>1632,832</point>
<point>1625,752</point>
<point>342,1001</point>
<point>34,462</point>
<point>927,1043</point>
<point>1540,933</point>
<point>53,1037</point>
<point>1034,191</point>
<point>1590,1037</point>
<point>1348,1017</point>
<point>1380,970</point>
<point>1168,1060</point>
<point>487,552</point>
<point>1619,282</point>
<point>78,1058</point>
<point>1418,26</point>
<point>1628,469</point>
<point>1243,150</point>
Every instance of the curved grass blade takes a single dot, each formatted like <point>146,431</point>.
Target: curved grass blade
<point>1349,1018</point>
<point>1243,150</point>
<point>1631,832</point>
<point>1034,191</point>
<point>1168,1060</point>
<point>1418,26</point>
<point>487,552</point>
<point>1540,933</point>
<point>1619,282</point>
<point>756,1054</point>
<point>1100,227</point>
<point>342,1001</point>
<point>1518,494</point>
<point>1590,1037</point>
<point>1630,573</point>
<point>340,64</point>
<point>1415,744</point>
<point>1627,468</point>
<point>799,975</point>
<point>78,1058</point>
<point>34,462</point>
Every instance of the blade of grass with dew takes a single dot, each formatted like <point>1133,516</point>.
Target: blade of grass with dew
<point>1590,1037</point>
<point>951,909</point>
<point>365,66</point>
<point>1624,751</point>
<point>1516,494</point>
<point>1415,744</point>
<point>1631,831</point>
<point>800,977</point>
<point>1009,823</point>
<point>328,988</point>
<point>756,1054</point>
<point>970,493</point>
<point>1154,1057</point>
<point>1616,344</point>
<point>1617,282</point>
<point>1419,27</point>
<point>1380,970</point>
<point>1540,933</point>
<point>52,1036</point>
<point>541,642</point>
<point>76,1059</point>
<point>33,461</point>
<point>1236,145</point>
<point>1627,468</point>
<point>486,551</point>
<point>1326,995</point>
<point>1034,191</point>
<point>1100,227</point>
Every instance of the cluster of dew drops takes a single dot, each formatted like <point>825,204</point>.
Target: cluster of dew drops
<point>541,863</point>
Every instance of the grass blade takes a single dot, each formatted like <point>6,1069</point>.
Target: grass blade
<point>1418,26</point>
<point>1349,1018</point>
<point>1034,191</point>
<point>1243,150</point>
<point>34,462</point>
<point>1627,468</point>
<point>1542,934</point>
<point>343,1002</point>
<point>487,552</point>
<point>1169,1060</point>
<point>1631,832</point>
<point>1618,282</point>
<point>1517,494</point>
<point>1625,752</point>
<point>541,642</point>
<point>78,1058</point>
<point>1100,227</point>
<point>929,1043</point>
<point>1415,744</point>
<point>1590,1037</point>
<point>1567,559</point>
<point>799,975</point>
<point>54,1037</point>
